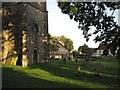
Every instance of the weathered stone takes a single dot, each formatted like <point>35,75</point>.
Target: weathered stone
<point>30,38</point>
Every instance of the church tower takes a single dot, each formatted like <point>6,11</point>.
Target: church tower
<point>25,33</point>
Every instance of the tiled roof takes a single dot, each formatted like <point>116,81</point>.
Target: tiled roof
<point>62,50</point>
<point>102,47</point>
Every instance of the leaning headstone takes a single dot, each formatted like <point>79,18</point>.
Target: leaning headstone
<point>78,68</point>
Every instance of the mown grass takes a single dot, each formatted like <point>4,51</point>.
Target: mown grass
<point>58,74</point>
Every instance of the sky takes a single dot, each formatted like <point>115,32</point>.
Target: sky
<point>60,24</point>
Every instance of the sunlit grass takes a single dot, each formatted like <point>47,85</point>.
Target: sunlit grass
<point>56,74</point>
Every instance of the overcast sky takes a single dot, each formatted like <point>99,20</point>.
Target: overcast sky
<point>61,24</point>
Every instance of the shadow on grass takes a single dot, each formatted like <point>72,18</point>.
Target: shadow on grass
<point>63,70</point>
<point>16,79</point>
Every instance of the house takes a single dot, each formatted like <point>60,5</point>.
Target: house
<point>62,52</point>
<point>28,35</point>
<point>98,52</point>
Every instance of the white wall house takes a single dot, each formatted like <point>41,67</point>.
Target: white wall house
<point>99,51</point>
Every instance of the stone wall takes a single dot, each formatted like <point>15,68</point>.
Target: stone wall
<point>30,33</point>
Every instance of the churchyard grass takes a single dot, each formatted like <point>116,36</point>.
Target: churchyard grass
<point>58,74</point>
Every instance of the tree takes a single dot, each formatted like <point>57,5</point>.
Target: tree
<point>62,38</point>
<point>75,53</point>
<point>94,14</point>
<point>85,50</point>
<point>90,51</point>
<point>53,44</point>
<point>56,40</point>
<point>105,52</point>
<point>69,44</point>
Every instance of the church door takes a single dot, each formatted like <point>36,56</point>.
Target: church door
<point>35,56</point>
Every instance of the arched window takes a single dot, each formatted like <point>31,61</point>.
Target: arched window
<point>35,33</point>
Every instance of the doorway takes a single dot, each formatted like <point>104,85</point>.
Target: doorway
<point>35,56</point>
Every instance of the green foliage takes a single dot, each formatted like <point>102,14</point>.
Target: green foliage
<point>85,50</point>
<point>68,43</point>
<point>94,14</point>
<point>90,51</point>
<point>75,53</point>
<point>53,44</point>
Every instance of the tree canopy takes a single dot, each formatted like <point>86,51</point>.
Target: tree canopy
<point>95,14</point>
<point>53,44</point>
<point>85,50</point>
<point>67,43</point>
<point>75,53</point>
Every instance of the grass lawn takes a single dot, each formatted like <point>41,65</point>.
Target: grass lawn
<point>57,74</point>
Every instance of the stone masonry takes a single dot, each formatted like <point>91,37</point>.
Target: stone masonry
<point>27,41</point>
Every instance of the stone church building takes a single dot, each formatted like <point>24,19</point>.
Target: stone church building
<point>25,35</point>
